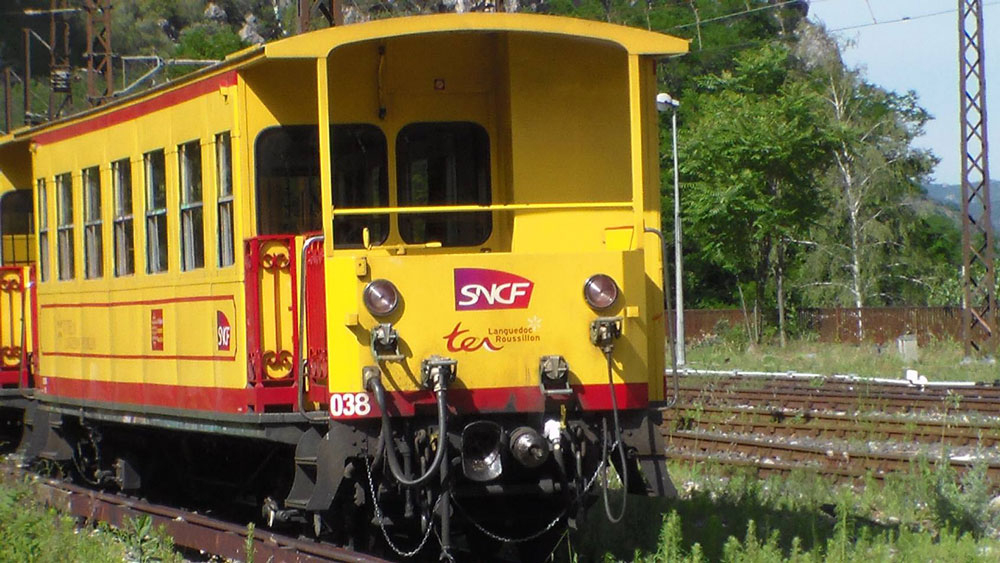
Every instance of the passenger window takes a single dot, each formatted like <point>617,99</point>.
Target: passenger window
<point>224,178</point>
<point>121,180</point>
<point>288,195</point>
<point>43,231</point>
<point>64,227</point>
<point>156,212</point>
<point>93,248</point>
<point>359,180</point>
<point>17,225</point>
<point>444,164</point>
<point>192,224</point>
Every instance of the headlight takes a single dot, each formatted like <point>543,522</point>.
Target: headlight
<point>381,297</point>
<point>600,291</point>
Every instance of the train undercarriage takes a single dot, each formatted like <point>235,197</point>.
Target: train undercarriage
<point>502,487</point>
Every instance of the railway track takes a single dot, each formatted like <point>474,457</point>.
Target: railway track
<point>822,425</point>
<point>189,529</point>
<point>840,396</point>
<point>782,456</point>
<point>843,427</point>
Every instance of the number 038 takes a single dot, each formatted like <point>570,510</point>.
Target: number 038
<point>350,404</point>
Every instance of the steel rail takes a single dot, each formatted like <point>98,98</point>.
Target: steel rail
<point>701,446</point>
<point>192,530</point>
<point>818,399</point>
<point>895,387</point>
<point>776,422</point>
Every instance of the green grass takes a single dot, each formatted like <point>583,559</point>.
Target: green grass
<point>938,361</point>
<point>31,532</point>
<point>926,514</point>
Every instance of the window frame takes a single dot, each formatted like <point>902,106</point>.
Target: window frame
<point>224,181</point>
<point>65,235</point>
<point>6,200</point>
<point>483,195</point>
<point>93,236</point>
<point>192,214</point>
<point>157,260</point>
<point>43,229</point>
<point>315,205</point>
<point>124,218</point>
<point>382,221</point>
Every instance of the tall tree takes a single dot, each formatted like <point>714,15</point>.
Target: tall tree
<point>858,249</point>
<point>754,144</point>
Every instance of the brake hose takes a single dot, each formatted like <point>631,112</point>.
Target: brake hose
<point>389,444</point>
<point>621,449</point>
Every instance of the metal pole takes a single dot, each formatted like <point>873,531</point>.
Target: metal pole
<point>979,312</point>
<point>27,76</point>
<point>6,101</point>
<point>678,251</point>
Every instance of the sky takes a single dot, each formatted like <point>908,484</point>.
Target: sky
<point>920,54</point>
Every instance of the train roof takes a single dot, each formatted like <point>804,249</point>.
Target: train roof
<point>320,43</point>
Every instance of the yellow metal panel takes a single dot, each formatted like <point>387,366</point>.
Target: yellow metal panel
<point>277,323</point>
<point>565,231</point>
<point>569,121</point>
<point>15,164</point>
<point>555,321</point>
<point>15,317</point>
<point>319,43</point>
<point>115,337</point>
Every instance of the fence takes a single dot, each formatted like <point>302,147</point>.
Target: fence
<point>878,324</point>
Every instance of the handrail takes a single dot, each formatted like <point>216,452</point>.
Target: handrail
<point>473,207</point>
<point>301,375</point>
<point>670,325</point>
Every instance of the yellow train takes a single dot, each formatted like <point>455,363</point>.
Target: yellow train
<point>369,274</point>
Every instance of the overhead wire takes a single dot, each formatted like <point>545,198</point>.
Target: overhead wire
<point>906,18</point>
<point>736,14</point>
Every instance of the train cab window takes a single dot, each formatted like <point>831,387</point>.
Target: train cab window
<point>64,226</point>
<point>43,230</point>
<point>93,247</point>
<point>16,227</point>
<point>121,180</point>
<point>192,223</point>
<point>288,192</point>
<point>224,179</point>
<point>444,164</point>
<point>156,211</point>
<point>359,161</point>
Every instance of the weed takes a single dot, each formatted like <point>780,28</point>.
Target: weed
<point>31,532</point>
<point>730,515</point>
<point>145,543</point>
<point>249,548</point>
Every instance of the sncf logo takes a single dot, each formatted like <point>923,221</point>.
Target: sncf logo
<point>476,288</point>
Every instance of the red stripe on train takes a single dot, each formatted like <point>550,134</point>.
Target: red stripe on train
<point>404,403</point>
<point>133,111</point>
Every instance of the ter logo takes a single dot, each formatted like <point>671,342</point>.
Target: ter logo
<point>477,288</point>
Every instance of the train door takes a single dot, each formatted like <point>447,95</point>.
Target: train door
<point>17,254</point>
<point>288,212</point>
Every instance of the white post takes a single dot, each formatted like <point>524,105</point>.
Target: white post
<point>678,257</point>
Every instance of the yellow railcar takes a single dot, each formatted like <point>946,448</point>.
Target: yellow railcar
<point>418,258</point>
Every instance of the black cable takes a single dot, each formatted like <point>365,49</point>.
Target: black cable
<point>621,449</point>
<point>389,445</point>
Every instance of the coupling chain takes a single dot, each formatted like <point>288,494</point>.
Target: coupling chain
<point>538,534</point>
<point>381,523</point>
